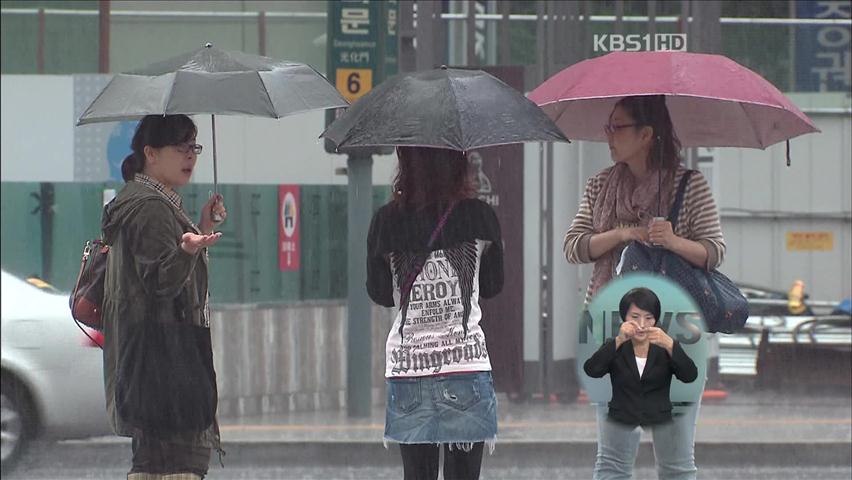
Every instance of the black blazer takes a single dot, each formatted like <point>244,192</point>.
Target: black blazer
<point>642,401</point>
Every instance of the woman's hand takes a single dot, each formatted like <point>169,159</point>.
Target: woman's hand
<point>660,233</point>
<point>601,243</point>
<point>660,338</point>
<point>626,332</point>
<point>216,204</point>
<point>633,233</point>
<point>192,242</point>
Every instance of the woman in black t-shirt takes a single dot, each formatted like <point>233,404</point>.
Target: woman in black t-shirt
<point>433,251</point>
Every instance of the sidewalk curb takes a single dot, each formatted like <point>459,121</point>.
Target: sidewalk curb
<point>510,453</point>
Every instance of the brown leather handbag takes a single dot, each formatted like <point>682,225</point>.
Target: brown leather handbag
<point>88,293</point>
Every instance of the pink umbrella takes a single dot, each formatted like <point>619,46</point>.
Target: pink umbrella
<point>713,101</point>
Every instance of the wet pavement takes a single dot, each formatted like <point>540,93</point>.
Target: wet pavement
<point>760,435</point>
<point>765,417</point>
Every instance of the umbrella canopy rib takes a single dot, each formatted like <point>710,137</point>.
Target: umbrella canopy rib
<point>458,112</point>
<point>266,92</point>
<point>753,126</point>
<point>168,98</point>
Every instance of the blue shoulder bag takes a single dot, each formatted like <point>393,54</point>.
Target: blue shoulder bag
<point>724,307</point>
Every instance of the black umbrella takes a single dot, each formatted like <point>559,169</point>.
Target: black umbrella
<point>442,108</point>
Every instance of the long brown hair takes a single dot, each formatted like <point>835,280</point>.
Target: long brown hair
<point>431,177</point>
<point>651,111</point>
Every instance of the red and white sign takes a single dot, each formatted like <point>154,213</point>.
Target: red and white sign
<point>288,228</point>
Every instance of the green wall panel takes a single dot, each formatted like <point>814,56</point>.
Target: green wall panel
<point>139,41</point>
<point>18,43</point>
<point>244,264</point>
<point>76,219</point>
<point>316,242</point>
<point>20,248</point>
<point>70,41</point>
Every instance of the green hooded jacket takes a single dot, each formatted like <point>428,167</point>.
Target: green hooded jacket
<point>147,269</point>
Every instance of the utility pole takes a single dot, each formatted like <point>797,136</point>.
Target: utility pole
<point>362,51</point>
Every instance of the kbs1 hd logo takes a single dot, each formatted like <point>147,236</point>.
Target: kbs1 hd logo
<point>660,42</point>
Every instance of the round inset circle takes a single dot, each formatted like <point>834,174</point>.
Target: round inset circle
<point>679,318</point>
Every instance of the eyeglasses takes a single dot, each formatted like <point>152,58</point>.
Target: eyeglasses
<point>610,129</point>
<point>187,147</point>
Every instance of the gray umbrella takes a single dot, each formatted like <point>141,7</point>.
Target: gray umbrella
<point>217,82</point>
<point>442,108</point>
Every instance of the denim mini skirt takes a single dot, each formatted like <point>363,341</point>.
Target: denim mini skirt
<point>458,408</point>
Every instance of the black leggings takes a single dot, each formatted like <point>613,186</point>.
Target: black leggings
<point>420,462</point>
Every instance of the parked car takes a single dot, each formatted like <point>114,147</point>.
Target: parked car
<point>52,371</point>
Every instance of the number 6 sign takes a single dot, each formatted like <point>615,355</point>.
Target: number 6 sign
<point>353,83</point>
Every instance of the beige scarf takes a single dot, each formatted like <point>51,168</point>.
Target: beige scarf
<point>623,202</point>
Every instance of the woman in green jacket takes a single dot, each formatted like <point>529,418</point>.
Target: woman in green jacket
<point>158,368</point>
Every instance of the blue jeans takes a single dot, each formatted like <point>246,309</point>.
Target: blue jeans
<point>674,446</point>
<point>459,408</point>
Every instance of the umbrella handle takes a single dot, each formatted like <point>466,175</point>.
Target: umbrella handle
<point>215,173</point>
<point>215,216</point>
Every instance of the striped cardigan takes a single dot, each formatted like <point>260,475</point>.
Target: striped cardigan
<point>698,220</point>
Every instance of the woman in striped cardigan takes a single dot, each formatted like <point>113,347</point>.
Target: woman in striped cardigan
<point>619,205</point>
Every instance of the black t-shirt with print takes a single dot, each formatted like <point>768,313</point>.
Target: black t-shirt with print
<point>407,233</point>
